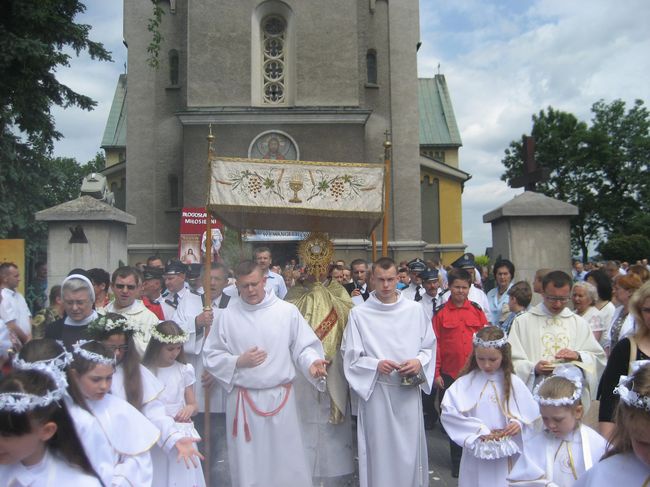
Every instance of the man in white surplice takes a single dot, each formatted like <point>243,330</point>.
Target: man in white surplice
<point>550,333</point>
<point>255,346</point>
<point>388,349</point>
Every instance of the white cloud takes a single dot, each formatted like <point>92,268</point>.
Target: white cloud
<point>505,60</point>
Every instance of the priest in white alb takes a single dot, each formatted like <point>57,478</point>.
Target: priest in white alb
<point>388,357</point>
<point>550,334</point>
<point>254,349</point>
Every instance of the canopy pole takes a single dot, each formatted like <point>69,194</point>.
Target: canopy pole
<point>373,239</point>
<point>387,169</point>
<point>207,306</point>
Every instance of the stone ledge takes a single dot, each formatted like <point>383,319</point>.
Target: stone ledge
<point>84,208</point>
<point>532,204</point>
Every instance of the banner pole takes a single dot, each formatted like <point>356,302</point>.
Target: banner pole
<point>207,306</point>
<point>387,169</point>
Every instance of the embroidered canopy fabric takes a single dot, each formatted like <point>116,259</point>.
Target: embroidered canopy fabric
<point>339,198</point>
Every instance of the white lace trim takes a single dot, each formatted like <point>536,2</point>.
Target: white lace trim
<point>494,449</point>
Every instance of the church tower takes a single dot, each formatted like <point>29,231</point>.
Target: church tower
<point>293,79</point>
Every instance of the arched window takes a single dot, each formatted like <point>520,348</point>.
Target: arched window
<point>371,67</point>
<point>272,51</point>
<point>173,67</point>
<point>274,30</point>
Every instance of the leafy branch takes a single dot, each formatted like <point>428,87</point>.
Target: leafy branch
<point>153,26</point>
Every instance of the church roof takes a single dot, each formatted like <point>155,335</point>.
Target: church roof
<point>446,169</point>
<point>437,120</point>
<point>115,131</point>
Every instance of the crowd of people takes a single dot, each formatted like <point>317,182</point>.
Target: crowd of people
<point>137,377</point>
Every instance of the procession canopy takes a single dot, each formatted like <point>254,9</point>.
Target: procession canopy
<point>343,199</point>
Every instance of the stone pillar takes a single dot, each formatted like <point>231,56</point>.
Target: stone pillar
<point>533,231</point>
<point>84,233</point>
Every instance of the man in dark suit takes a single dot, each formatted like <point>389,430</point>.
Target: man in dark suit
<point>359,284</point>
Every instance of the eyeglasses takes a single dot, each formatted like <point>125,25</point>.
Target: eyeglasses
<point>130,287</point>
<point>115,348</point>
<point>557,299</point>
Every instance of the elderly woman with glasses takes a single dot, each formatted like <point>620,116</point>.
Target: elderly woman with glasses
<point>78,301</point>
<point>584,297</point>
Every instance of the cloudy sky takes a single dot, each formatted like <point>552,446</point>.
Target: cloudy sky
<point>503,59</point>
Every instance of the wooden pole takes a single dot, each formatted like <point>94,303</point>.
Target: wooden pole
<point>207,306</point>
<point>387,169</point>
<point>373,239</point>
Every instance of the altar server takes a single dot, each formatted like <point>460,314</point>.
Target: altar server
<point>254,349</point>
<point>388,357</point>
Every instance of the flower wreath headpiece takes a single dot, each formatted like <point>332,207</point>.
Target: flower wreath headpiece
<point>569,372</point>
<point>92,356</point>
<point>59,362</point>
<point>625,388</point>
<point>21,402</point>
<point>479,342</point>
<point>169,339</point>
<point>104,324</point>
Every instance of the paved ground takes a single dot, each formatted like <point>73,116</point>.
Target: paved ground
<point>437,445</point>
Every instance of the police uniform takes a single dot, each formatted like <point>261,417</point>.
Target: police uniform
<point>414,291</point>
<point>170,301</point>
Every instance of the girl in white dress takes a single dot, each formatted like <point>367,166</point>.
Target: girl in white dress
<point>166,359</point>
<point>485,410</point>
<point>564,449</point>
<point>39,446</point>
<point>628,460</point>
<point>129,433</point>
<point>49,353</point>
<point>134,383</point>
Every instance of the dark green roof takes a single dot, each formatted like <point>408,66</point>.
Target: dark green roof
<point>437,120</point>
<point>115,131</point>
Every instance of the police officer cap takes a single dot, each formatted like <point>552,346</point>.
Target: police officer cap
<point>193,271</point>
<point>175,267</point>
<point>152,273</point>
<point>464,261</point>
<point>417,265</point>
<point>429,275</point>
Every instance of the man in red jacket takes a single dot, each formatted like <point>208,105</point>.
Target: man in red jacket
<point>455,323</point>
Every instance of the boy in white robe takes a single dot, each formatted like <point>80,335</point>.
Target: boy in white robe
<point>253,350</point>
<point>388,351</point>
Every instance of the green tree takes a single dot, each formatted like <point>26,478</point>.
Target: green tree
<point>36,39</point>
<point>602,168</point>
<point>560,147</point>
<point>625,248</point>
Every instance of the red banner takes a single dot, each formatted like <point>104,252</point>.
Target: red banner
<point>191,245</point>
